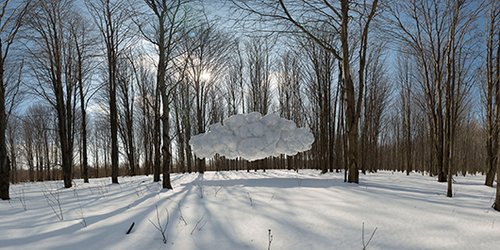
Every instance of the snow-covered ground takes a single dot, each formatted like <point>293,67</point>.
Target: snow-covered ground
<point>235,210</point>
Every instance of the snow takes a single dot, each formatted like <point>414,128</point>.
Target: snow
<point>235,210</point>
<point>252,137</point>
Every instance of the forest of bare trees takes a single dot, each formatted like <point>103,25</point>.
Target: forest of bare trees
<point>106,88</point>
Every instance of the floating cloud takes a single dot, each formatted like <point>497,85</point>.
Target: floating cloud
<point>252,137</point>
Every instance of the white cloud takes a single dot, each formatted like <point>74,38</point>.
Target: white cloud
<point>252,137</point>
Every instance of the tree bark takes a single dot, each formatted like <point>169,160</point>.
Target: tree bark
<point>496,205</point>
<point>157,138</point>
<point>492,96</point>
<point>166,144</point>
<point>4,160</point>
<point>350,103</point>
<point>83,126</point>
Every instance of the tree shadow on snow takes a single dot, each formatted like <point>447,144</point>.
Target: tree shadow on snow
<point>276,183</point>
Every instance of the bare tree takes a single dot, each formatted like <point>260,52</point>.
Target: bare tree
<point>13,138</point>
<point>102,144</point>
<point>235,82</point>
<point>27,135</point>
<point>234,89</point>
<point>290,100</point>
<point>436,34</point>
<point>145,103</point>
<point>207,55</point>
<point>112,18</point>
<point>11,16</point>
<point>492,95</point>
<point>319,83</point>
<point>127,80</point>
<point>493,78</point>
<point>83,40</point>
<point>53,70</point>
<point>375,104</point>
<point>259,55</point>
<point>336,18</point>
<point>167,25</point>
<point>405,79</point>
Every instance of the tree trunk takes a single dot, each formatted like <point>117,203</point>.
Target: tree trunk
<point>180,141</point>
<point>157,139</point>
<point>83,129</point>
<point>350,108</point>
<point>492,96</point>
<point>13,156</point>
<point>490,174</point>
<point>113,117</point>
<point>497,80</point>
<point>166,141</point>
<point>4,160</point>
<point>130,141</point>
<point>496,205</point>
